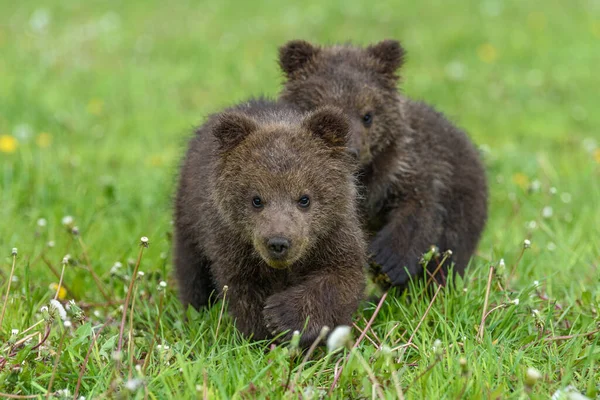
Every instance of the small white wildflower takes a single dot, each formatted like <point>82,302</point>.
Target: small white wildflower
<point>66,393</point>
<point>134,384</point>
<point>144,241</point>
<point>51,243</point>
<point>59,307</point>
<point>547,212</point>
<point>14,332</point>
<point>437,348</point>
<point>535,185</point>
<point>15,279</point>
<point>138,368</point>
<point>163,284</point>
<point>569,393</point>
<point>535,313</point>
<point>117,355</point>
<point>465,290</point>
<point>42,222</point>
<point>338,338</point>
<point>308,392</point>
<point>67,220</point>
<point>566,197</point>
<point>67,324</point>
<point>14,251</point>
<point>532,376</point>
<point>532,224</point>
<point>81,398</point>
<point>163,255</point>
<point>553,190</point>
<point>97,314</point>
<point>526,243</point>
<point>536,283</point>
<point>141,273</point>
<point>198,388</point>
<point>44,309</point>
<point>515,301</point>
<point>65,260</point>
<point>75,230</point>
<point>551,246</point>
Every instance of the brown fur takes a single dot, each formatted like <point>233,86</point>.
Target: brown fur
<point>423,179</point>
<point>263,149</point>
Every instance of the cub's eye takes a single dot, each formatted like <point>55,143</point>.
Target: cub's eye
<point>257,202</point>
<point>367,119</point>
<point>304,202</point>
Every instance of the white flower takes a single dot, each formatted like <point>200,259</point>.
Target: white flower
<point>515,301</point>
<point>44,309</point>
<point>51,243</point>
<point>532,376</point>
<point>551,246</point>
<point>535,185</point>
<point>14,251</point>
<point>67,324</point>
<point>134,384</point>
<point>568,393</point>
<point>144,240</point>
<point>117,355</point>
<point>535,313</point>
<point>14,332</point>
<point>67,220</point>
<point>338,338</point>
<point>527,243</point>
<point>141,273</point>
<point>97,313</point>
<point>553,190</point>
<point>566,197</point>
<point>547,212</point>
<point>532,224</point>
<point>163,284</point>
<point>55,304</point>
<point>501,264</point>
<point>41,222</point>
<point>536,283</point>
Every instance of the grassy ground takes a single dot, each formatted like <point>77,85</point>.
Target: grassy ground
<point>96,100</point>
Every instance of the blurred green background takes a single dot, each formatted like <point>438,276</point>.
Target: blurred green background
<point>97,99</point>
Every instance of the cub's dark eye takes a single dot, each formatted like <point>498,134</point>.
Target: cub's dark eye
<point>367,119</point>
<point>257,202</point>
<point>304,202</point>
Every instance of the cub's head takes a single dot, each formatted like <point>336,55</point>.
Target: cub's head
<point>285,184</point>
<point>360,81</point>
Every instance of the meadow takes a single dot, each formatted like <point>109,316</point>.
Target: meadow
<point>97,100</point>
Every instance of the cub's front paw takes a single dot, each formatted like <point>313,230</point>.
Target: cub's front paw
<point>393,266</point>
<point>281,316</point>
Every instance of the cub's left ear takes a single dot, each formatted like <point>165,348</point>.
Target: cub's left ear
<point>389,54</point>
<point>295,55</point>
<point>330,125</point>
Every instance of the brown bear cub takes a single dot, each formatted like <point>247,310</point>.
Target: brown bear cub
<point>424,183</point>
<point>266,205</point>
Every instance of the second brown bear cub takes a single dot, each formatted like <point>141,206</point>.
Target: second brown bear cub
<point>266,205</point>
<point>423,179</point>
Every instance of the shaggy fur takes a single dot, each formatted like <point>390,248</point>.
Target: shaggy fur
<point>423,179</point>
<point>288,265</point>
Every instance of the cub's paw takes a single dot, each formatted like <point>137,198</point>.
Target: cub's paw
<point>396,270</point>
<point>281,317</point>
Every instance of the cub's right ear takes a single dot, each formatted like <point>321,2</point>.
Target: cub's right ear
<point>295,55</point>
<point>330,125</point>
<point>232,128</point>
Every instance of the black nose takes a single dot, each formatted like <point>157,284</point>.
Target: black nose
<point>278,246</point>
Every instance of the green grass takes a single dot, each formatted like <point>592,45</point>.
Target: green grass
<point>100,97</point>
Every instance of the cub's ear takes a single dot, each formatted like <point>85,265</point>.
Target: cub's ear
<point>389,55</point>
<point>330,125</point>
<point>295,55</point>
<point>232,128</point>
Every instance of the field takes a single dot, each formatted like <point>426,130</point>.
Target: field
<point>97,100</point>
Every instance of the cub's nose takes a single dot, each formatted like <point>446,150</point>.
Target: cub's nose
<point>278,247</point>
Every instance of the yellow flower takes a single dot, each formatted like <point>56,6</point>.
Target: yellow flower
<point>95,107</point>
<point>62,293</point>
<point>487,53</point>
<point>8,144</point>
<point>597,155</point>
<point>43,140</point>
<point>521,180</point>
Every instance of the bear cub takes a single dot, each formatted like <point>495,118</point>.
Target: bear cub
<point>266,205</point>
<point>424,183</point>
